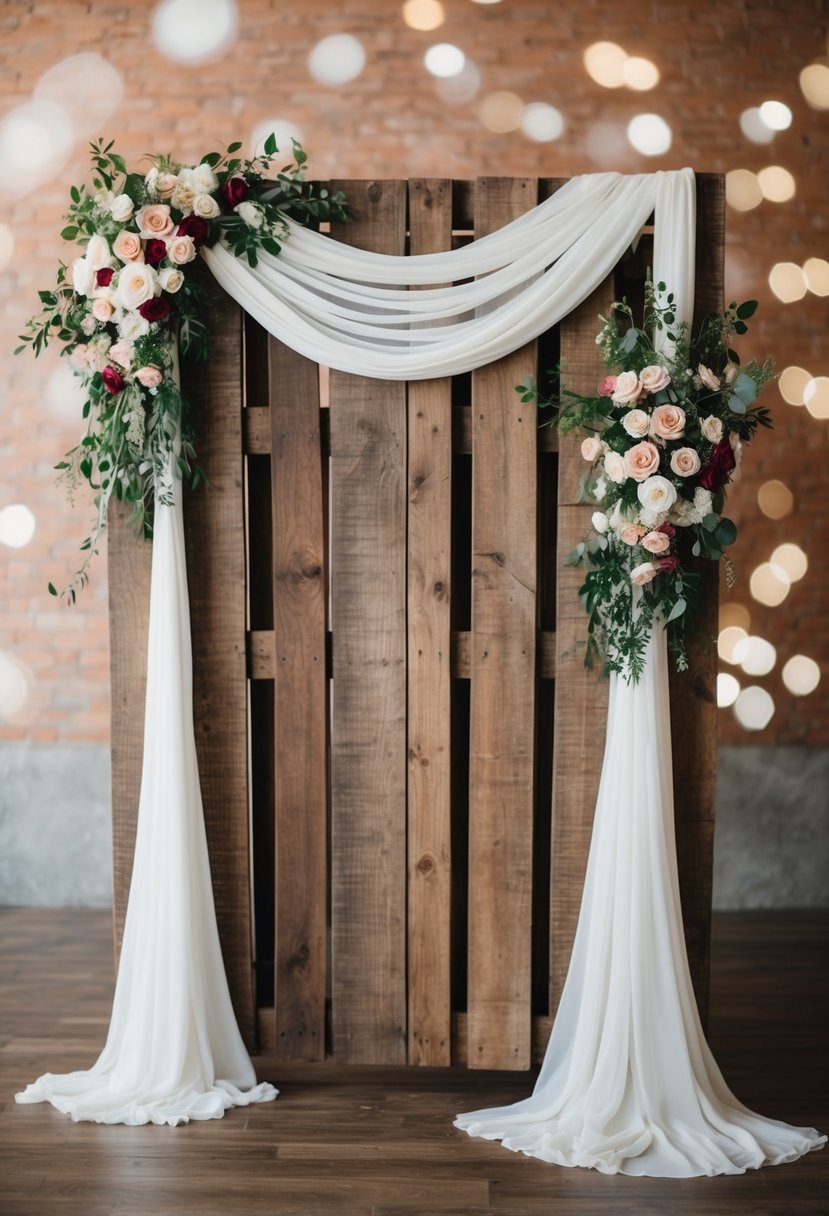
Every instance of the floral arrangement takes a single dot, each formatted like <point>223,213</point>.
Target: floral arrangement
<point>664,433</point>
<point>129,300</point>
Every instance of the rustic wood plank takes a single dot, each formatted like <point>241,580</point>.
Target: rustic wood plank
<point>580,696</point>
<point>503,685</point>
<point>214,520</point>
<point>429,682</point>
<point>694,692</point>
<point>301,704</point>
<point>368,729</point>
<point>129,558</point>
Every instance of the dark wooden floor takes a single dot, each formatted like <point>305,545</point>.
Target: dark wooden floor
<point>381,1142</point>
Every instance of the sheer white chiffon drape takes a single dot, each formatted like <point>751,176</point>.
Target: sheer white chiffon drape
<point>628,1083</point>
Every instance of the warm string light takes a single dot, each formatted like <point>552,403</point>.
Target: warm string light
<point>337,59</point>
<point>191,31</point>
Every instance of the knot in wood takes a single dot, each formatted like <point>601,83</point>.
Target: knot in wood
<point>299,960</point>
<point>426,864</point>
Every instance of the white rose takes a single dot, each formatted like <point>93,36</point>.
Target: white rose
<point>203,179</point>
<point>656,493</point>
<point>618,516</point>
<point>599,521</point>
<point>628,387</point>
<point>250,213</point>
<point>170,279</point>
<point>600,489</point>
<point>644,573</point>
<point>654,378</point>
<point>712,428</point>
<point>182,198</point>
<point>614,466</point>
<point>187,177</point>
<point>636,423</point>
<point>121,208</point>
<point>98,253</point>
<point>88,325</point>
<point>132,326</point>
<point>707,377</point>
<point>104,199</point>
<point>137,283</point>
<point>83,277</point>
<point>206,206</point>
<point>151,180</point>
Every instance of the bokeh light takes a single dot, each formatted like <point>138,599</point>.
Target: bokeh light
<point>816,397</point>
<point>814,85</point>
<point>640,74</point>
<point>801,675</point>
<point>501,112</point>
<point>337,59</point>
<point>776,115</point>
<point>816,271</point>
<point>769,585</point>
<point>6,245</point>
<point>753,127</point>
<point>444,59</point>
<point>64,393</point>
<point>542,122</point>
<point>35,141</point>
<point>728,640</point>
<point>649,134</point>
<point>728,689</point>
<point>775,499</point>
<point>17,525</point>
<point>423,14</point>
<point>791,559</point>
<point>14,686</point>
<point>787,281</point>
<point>606,142</point>
<point>792,383</point>
<point>282,129</point>
<point>87,87</point>
<point>604,62</point>
<point>777,184</point>
<point>754,708</point>
<point>455,90</point>
<point>755,655</point>
<point>742,190</point>
<point>190,31</point>
<point>734,614</point>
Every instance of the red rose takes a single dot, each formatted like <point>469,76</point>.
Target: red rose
<point>669,565</point>
<point>234,191</point>
<point>668,529</point>
<point>104,277</point>
<point>195,227</point>
<point>155,309</point>
<point>720,466</point>
<point>155,251</point>
<point>113,380</point>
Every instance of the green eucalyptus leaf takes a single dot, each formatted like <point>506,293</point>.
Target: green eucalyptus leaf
<point>677,610</point>
<point>726,532</point>
<point>746,310</point>
<point>736,405</point>
<point>711,522</point>
<point>745,388</point>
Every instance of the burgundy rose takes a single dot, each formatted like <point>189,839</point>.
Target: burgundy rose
<point>113,380</point>
<point>103,277</point>
<point>195,227</point>
<point>155,251</point>
<point>720,466</point>
<point>234,191</point>
<point>154,309</point>
<point>668,565</point>
<point>668,529</point>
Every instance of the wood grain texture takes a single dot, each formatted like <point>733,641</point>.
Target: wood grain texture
<point>301,704</point>
<point>502,690</point>
<point>214,522</point>
<point>129,558</point>
<point>429,674</point>
<point>580,696</point>
<point>368,728</point>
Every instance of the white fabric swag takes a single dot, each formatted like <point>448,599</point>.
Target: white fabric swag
<point>628,1084</point>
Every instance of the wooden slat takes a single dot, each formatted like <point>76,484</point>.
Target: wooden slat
<point>580,696</point>
<point>694,693</point>
<point>301,696</point>
<point>214,520</point>
<point>368,729</point>
<point>429,682</point>
<point>129,559</point>
<point>503,685</point>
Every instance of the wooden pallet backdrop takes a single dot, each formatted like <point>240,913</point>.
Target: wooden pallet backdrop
<point>399,747</point>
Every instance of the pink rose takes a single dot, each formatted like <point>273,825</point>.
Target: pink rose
<point>654,378</point>
<point>627,389</point>
<point>127,246</point>
<point>644,573</point>
<point>641,461</point>
<point>656,542</point>
<point>80,358</point>
<point>685,462</point>
<point>708,378</point>
<point>636,423</point>
<point>121,353</point>
<point>631,533</point>
<point>607,386</point>
<point>668,422</point>
<point>102,310</point>
<point>181,249</point>
<point>590,448</point>
<point>150,376</point>
<point>154,220</point>
<point>614,466</point>
<point>165,184</point>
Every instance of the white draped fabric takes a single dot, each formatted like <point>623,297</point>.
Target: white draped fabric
<point>628,1084</point>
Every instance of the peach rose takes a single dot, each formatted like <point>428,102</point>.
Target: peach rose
<point>656,542</point>
<point>127,246</point>
<point>712,428</point>
<point>614,467</point>
<point>97,252</point>
<point>657,494</point>
<point>685,462</point>
<point>708,378</point>
<point>102,310</point>
<point>591,447</point>
<point>641,461</point>
<point>636,423</point>
<point>631,533</point>
<point>136,284</point>
<point>645,573</point>
<point>155,220</point>
<point>628,388</point>
<point>181,249</point>
<point>654,378</point>
<point>121,353</point>
<point>170,279</point>
<point>668,422</point>
<point>151,376</point>
<point>206,206</point>
<point>165,184</point>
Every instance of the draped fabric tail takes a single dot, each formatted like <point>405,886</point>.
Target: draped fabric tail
<point>174,1051</point>
<point>629,1084</point>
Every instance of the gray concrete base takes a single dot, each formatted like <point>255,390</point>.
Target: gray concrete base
<point>771,846</point>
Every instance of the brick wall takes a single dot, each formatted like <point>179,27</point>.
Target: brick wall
<point>715,61</point>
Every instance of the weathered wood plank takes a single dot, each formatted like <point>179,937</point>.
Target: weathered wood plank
<point>504,435</point>
<point>301,704</point>
<point>429,683</point>
<point>580,696</point>
<point>129,558</point>
<point>368,729</point>
<point>214,522</point>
